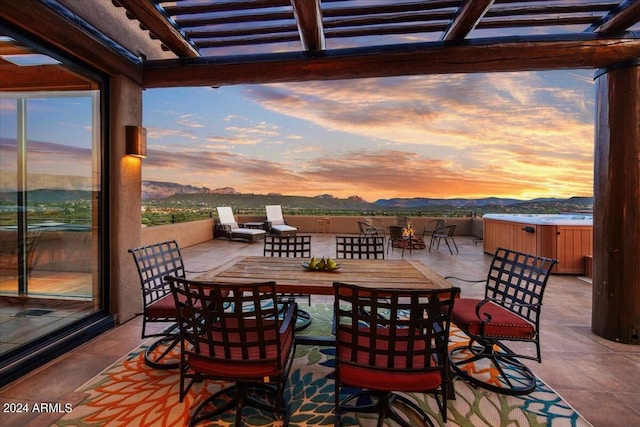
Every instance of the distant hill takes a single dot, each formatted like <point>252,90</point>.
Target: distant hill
<point>48,196</point>
<point>161,190</point>
<point>259,201</point>
<point>8,182</point>
<point>188,196</point>
<point>421,202</point>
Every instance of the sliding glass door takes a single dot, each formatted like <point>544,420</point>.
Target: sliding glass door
<point>50,203</point>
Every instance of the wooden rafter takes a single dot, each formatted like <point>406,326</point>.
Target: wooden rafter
<point>9,48</point>
<point>576,51</point>
<point>246,41</point>
<point>466,19</point>
<point>549,8</point>
<point>64,34</point>
<point>262,22</point>
<point>158,24</point>
<point>536,21</point>
<point>308,16</point>
<point>41,77</point>
<point>223,6</point>
<point>625,17</point>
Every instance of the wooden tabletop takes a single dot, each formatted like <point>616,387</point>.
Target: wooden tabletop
<point>291,276</point>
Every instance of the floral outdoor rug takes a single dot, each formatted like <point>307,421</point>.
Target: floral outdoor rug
<point>129,393</point>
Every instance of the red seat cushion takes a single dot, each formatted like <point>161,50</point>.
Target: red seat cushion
<point>164,307</point>
<point>379,377</point>
<point>235,366</point>
<point>504,323</point>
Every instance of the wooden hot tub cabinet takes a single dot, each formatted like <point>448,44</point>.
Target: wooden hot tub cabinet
<point>568,243</point>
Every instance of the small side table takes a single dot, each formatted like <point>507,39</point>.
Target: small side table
<point>254,225</point>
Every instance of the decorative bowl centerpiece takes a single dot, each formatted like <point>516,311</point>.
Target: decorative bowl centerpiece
<point>321,265</point>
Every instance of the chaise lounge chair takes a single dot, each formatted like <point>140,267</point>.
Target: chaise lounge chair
<point>233,230</point>
<point>276,223</point>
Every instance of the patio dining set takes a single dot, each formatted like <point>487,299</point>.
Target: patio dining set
<point>238,322</point>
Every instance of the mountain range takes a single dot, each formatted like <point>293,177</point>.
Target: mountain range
<point>171,192</point>
<point>69,188</point>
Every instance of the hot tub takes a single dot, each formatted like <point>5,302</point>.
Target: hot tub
<point>567,237</point>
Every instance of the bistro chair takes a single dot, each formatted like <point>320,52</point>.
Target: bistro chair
<point>276,223</point>
<point>381,229</point>
<point>398,238</point>
<point>154,262</point>
<point>231,229</point>
<point>445,234</point>
<point>366,229</point>
<point>291,246</point>
<point>246,344</point>
<point>433,226</point>
<point>370,247</point>
<point>389,341</point>
<point>510,311</point>
<point>403,221</point>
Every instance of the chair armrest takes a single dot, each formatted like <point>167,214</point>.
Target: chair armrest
<point>499,303</point>
<point>290,317</point>
<point>465,280</point>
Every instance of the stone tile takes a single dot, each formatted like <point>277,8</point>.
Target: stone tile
<point>601,409</point>
<point>57,379</point>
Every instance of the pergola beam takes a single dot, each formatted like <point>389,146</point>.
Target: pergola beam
<point>70,34</point>
<point>467,19</point>
<point>627,15</point>
<point>158,25</point>
<point>41,77</point>
<point>584,50</point>
<point>308,16</point>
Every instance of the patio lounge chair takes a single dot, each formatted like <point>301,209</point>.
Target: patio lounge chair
<point>233,230</point>
<point>276,223</point>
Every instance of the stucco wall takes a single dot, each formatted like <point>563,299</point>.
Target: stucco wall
<point>349,224</point>
<point>185,233</point>
<point>125,216</point>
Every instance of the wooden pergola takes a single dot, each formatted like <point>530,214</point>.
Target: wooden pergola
<point>143,44</point>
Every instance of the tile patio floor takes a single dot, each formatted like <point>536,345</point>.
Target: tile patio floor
<point>599,378</point>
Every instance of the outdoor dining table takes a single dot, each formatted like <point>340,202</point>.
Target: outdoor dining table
<point>292,277</point>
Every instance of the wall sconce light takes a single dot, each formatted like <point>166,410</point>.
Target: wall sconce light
<point>136,137</point>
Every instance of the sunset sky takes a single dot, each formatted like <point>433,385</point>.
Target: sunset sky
<point>521,135</point>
